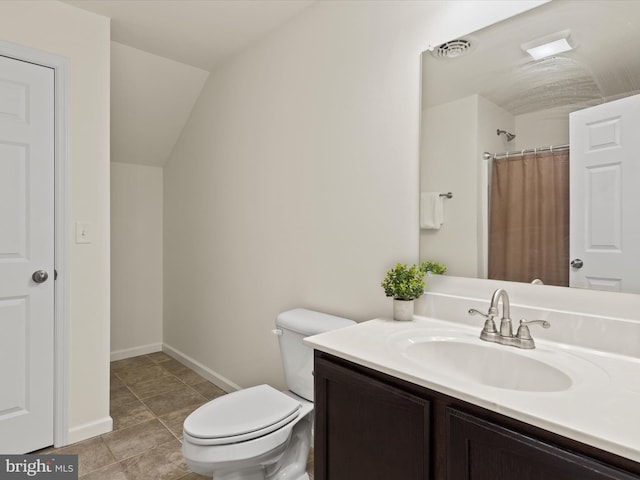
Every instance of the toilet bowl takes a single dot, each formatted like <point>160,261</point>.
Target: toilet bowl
<point>245,435</point>
<point>260,433</point>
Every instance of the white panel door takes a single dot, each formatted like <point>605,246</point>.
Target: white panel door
<point>26,246</point>
<point>605,196</point>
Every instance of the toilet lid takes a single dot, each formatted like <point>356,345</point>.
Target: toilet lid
<point>242,415</point>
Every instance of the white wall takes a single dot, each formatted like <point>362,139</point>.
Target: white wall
<point>136,260</point>
<point>491,118</point>
<point>544,128</point>
<point>450,163</point>
<point>83,38</point>
<point>151,99</point>
<point>295,181</point>
<point>454,137</point>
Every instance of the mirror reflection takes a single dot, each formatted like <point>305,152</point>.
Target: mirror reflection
<point>533,124</point>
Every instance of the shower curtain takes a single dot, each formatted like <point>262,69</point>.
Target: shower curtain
<point>529,218</point>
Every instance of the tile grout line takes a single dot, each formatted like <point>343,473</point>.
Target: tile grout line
<point>157,417</point>
<point>169,374</point>
<point>119,462</point>
<point>120,374</point>
<point>141,400</point>
<point>113,460</point>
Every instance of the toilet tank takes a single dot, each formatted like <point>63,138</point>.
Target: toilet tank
<point>297,356</point>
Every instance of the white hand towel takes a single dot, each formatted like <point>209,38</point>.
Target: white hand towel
<point>431,210</point>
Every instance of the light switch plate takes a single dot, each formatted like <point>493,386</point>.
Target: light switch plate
<point>83,232</point>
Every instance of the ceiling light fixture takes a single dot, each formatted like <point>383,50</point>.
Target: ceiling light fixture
<point>548,45</point>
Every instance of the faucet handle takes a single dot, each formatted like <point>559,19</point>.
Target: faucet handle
<point>523,330</point>
<point>489,329</point>
<point>473,311</point>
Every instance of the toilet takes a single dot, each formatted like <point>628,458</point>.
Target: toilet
<point>260,433</point>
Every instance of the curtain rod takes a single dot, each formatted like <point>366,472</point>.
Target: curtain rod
<point>551,148</point>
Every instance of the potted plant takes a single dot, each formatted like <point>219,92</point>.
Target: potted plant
<point>404,284</point>
<point>433,268</point>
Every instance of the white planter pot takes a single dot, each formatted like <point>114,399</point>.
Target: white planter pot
<point>402,310</point>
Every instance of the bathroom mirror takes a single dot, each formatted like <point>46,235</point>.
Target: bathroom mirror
<point>480,90</point>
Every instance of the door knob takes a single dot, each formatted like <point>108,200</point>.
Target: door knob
<point>40,276</point>
<point>577,263</point>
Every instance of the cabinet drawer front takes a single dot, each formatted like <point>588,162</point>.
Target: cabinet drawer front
<point>481,450</point>
<point>376,431</point>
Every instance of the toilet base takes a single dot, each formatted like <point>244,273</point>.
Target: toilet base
<point>293,464</point>
<point>289,459</point>
<point>257,474</point>
<point>253,476</point>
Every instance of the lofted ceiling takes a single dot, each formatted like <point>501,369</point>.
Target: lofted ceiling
<point>161,54</point>
<point>604,64</point>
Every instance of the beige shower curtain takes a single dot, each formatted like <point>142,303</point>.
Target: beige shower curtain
<point>529,218</point>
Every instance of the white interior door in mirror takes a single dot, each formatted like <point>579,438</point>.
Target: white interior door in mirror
<point>605,196</point>
<point>26,247</point>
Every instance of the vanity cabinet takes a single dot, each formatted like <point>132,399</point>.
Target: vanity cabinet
<point>482,450</point>
<point>368,429</point>
<point>372,426</point>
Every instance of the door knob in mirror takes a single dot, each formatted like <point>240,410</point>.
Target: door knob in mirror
<point>577,263</point>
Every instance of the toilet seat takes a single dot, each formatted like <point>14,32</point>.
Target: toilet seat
<point>241,416</point>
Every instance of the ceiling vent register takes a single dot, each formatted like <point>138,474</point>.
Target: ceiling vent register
<point>452,49</point>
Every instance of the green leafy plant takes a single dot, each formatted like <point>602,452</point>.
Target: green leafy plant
<point>433,267</point>
<point>403,282</point>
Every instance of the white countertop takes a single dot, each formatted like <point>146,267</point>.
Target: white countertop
<point>600,408</point>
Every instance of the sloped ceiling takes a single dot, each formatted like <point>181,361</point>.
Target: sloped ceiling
<point>161,55</point>
<point>201,33</point>
<point>151,99</point>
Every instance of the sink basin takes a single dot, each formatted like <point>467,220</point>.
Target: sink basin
<point>453,355</point>
<point>492,365</point>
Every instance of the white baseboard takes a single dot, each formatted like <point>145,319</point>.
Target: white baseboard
<point>88,430</point>
<point>135,351</point>
<point>215,378</point>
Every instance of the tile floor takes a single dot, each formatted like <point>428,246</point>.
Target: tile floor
<point>151,395</point>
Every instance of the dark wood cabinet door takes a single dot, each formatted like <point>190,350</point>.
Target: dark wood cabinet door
<point>480,450</point>
<point>377,432</point>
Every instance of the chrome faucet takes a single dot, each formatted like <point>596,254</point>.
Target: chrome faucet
<point>506,330</point>
<point>522,338</point>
